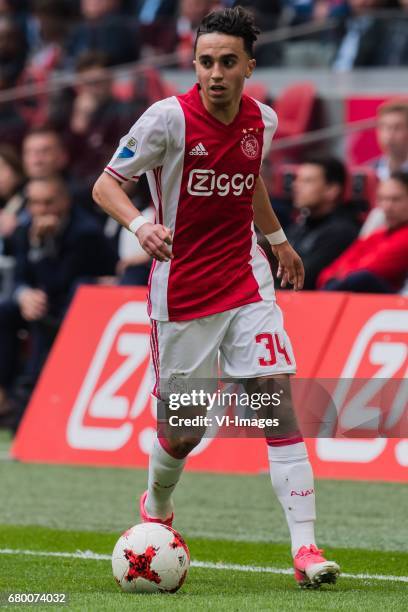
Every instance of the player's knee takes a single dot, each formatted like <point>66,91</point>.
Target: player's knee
<point>183,445</point>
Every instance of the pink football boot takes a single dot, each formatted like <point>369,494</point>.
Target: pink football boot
<point>149,519</point>
<point>312,569</point>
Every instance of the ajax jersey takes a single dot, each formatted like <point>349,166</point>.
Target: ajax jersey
<point>202,175</point>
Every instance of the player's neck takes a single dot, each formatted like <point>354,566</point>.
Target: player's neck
<point>226,114</point>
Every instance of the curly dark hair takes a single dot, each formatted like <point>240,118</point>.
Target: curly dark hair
<point>235,21</point>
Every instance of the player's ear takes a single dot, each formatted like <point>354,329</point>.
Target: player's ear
<point>250,68</point>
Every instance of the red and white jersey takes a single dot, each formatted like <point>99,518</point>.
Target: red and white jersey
<point>202,175</point>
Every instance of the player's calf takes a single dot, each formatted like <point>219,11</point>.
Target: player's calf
<point>167,460</point>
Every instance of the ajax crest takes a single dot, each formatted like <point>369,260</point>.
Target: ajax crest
<point>250,146</point>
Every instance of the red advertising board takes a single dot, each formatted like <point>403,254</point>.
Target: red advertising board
<point>370,343</point>
<point>92,404</point>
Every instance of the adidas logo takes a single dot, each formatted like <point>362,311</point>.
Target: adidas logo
<point>199,150</point>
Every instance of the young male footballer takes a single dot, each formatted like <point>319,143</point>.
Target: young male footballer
<point>211,293</point>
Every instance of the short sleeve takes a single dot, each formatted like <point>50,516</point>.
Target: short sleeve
<point>270,121</point>
<point>143,148</point>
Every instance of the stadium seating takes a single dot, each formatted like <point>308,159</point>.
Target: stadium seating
<point>294,107</point>
<point>147,83</point>
<point>362,184</point>
<point>259,91</point>
<point>282,182</point>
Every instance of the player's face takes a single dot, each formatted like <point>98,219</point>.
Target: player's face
<point>309,186</point>
<point>392,197</point>
<point>392,134</point>
<point>222,64</point>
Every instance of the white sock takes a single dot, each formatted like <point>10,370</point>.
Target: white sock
<point>164,474</point>
<point>292,480</point>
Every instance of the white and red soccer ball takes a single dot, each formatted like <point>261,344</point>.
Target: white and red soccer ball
<point>150,558</point>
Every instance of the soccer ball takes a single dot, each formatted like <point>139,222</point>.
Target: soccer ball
<point>150,558</point>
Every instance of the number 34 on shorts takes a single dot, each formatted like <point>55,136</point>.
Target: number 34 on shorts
<point>244,342</point>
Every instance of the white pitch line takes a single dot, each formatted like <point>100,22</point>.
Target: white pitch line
<point>258,569</point>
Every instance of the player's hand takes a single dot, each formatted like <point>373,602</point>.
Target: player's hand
<point>153,239</point>
<point>33,304</point>
<point>290,269</point>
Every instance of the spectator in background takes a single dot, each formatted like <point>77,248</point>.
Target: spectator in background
<point>15,9</point>
<point>18,11</point>
<point>149,11</point>
<point>94,123</point>
<point>267,13</point>
<point>361,36</point>
<point>45,153</point>
<point>392,137</point>
<point>61,248</point>
<point>157,19</point>
<point>169,27</point>
<point>191,13</point>
<point>266,10</point>
<point>324,227</point>
<point>379,262</point>
<point>13,51</point>
<point>103,28</point>
<point>12,199</point>
<point>395,50</point>
<point>51,20</point>
<point>12,123</point>
<point>9,7</point>
<point>329,9</point>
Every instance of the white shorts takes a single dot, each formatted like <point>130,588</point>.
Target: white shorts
<point>246,342</point>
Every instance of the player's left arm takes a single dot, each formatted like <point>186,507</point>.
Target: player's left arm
<point>290,265</point>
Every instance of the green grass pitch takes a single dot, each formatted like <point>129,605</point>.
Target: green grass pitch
<point>234,527</point>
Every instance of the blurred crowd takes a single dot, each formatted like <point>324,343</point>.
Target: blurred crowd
<point>40,37</point>
<point>53,146</point>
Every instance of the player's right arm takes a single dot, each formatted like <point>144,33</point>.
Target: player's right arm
<point>141,150</point>
<point>153,237</point>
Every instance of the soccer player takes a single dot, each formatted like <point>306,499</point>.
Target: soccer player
<point>211,290</point>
